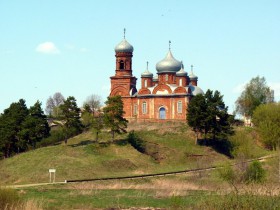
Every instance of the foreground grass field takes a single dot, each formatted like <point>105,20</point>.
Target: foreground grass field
<point>169,147</point>
<point>163,193</point>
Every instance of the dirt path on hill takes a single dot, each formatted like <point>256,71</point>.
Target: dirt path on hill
<point>138,176</point>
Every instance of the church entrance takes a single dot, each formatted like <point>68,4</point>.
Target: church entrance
<point>162,113</point>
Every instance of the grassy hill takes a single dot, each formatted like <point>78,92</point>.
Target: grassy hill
<point>169,147</point>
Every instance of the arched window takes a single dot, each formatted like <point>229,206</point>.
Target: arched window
<point>121,65</point>
<point>181,82</point>
<point>144,108</point>
<point>179,107</point>
<point>145,83</point>
<point>166,77</point>
<point>135,109</point>
<point>162,113</point>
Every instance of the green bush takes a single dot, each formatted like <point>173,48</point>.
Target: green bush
<point>255,173</point>
<point>56,136</point>
<point>226,173</point>
<point>136,142</point>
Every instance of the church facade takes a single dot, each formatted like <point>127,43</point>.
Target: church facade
<point>161,97</point>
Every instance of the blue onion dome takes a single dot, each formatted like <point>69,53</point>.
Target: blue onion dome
<point>182,72</point>
<point>169,64</point>
<point>124,46</point>
<point>146,73</point>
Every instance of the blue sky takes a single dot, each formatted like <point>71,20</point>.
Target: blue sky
<point>68,46</point>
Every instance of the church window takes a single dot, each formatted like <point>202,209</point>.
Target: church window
<point>145,83</point>
<point>180,82</point>
<point>179,107</point>
<point>121,65</point>
<point>135,109</point>
<point>144,108</point>
<point>166,77</point>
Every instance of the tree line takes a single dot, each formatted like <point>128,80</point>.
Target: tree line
<point>23,128</point>
<point>207,114</point>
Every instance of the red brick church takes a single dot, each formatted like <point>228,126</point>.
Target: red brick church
<point>162,97</point>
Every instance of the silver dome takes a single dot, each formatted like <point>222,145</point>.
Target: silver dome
<point>192,76</point>
<point>124,46</point>
<point>169,64</point>
<point>147,74</point>
<point>195,90</point>
<point>182,71</point>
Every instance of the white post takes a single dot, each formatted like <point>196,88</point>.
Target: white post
<point>52,171</point>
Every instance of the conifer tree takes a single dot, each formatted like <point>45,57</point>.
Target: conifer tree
<point>207,114</point>
<point>71,115</point>
<point>113,115</point>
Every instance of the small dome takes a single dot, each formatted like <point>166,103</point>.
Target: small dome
<point>169,64</point>
<point>146,73</point>
<point>155,79</point>
<point>182,72</point>
<point>124,46</point>
<point>192,76</point>
<point>195,90</point>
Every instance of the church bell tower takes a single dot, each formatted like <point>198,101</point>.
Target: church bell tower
<point>123,83</point>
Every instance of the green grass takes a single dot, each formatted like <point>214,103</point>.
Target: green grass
<point>171,147</point>
<point>58,198</point>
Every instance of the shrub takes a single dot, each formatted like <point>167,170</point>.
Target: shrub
<point>136,142</point>
<point>227,173</point>
<point>55,137</point>
<point>255,173</point>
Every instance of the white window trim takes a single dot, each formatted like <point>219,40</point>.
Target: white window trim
<point>145,83</point>
<point>144,107</point>
<point>180,107</point>
<point>135,111</point>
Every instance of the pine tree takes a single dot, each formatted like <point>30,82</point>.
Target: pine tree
<point>71,115</point>
<point>113,115</point>
<point>35,126</point>
<point>10,126</point>
<point>207,114</point>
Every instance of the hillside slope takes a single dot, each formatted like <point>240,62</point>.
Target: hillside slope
<point>170,147</point>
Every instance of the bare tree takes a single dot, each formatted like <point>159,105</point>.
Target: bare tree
<point>49,106</point>
<point>53,103</point>
<point>58,99</point>
<point>94,102</point>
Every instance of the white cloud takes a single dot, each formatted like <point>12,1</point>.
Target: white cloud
<point>84,50</point>
<point>70,46</point>
<point>47,48</point>
<point>7,51</point>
